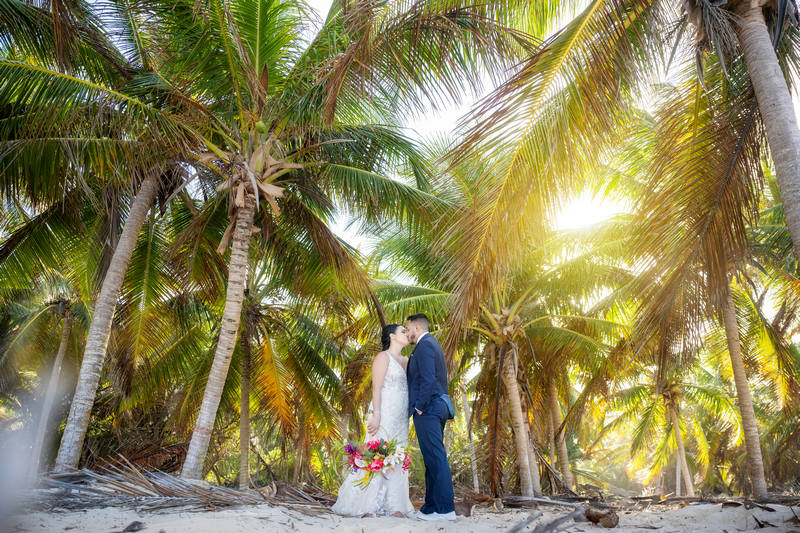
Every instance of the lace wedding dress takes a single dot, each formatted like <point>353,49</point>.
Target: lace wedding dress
<point>386,494</point>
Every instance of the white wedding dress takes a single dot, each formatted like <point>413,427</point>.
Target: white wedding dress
<point>386,494</point>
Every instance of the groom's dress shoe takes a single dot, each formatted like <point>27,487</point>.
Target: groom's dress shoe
<point>437,516</point>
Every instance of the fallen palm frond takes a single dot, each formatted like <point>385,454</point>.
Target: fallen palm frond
<point>125,485</point>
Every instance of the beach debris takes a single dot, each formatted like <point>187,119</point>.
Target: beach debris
<point>748,504</point>
<point>607,519</point>
<point>577,515</point>
<point>522,525</point>
<point>136,525</point>
<point>125,485</point>
<point>762,523</point>
<point>580,513</point>
<point>465,508</point>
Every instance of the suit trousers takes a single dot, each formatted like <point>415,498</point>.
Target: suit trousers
<point>429,427</point>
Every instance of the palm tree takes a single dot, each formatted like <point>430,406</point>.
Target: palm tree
<point>760,49</point>
<point>504,332</point>
<point>51,298</point>
<point>715,240</point>
<point>60,71</point>
<point>52,384</point>
<point>527,325</point>
<point>651,398</point>
<point>277,107</point>
<point>264,77</point>
<point>573,99</point>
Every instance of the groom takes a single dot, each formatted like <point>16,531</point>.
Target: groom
<point>430,405</point>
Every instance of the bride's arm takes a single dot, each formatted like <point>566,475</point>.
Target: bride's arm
<point>379,367</point>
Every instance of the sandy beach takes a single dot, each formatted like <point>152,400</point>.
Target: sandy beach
<point>700,517</point>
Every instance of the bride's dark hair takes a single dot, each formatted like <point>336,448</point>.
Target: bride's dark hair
<point>386,340</point>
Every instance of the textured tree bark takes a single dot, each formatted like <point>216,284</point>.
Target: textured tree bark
<point>244,416</point>
<point>298,459</point>
<point>520,427</point>
<point>776,108</point>
<point>677,475</point>
<point>94,353</point>
<point>561,442</point>
<point>50,393</point>
<point>234,296</point>
<point>684,466</point>
<point>745,401</point>
<point>473,462</point>
<point>534,465</point>
<point>344,427</point>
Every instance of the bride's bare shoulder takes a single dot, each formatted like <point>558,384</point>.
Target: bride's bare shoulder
<point>382,358</point>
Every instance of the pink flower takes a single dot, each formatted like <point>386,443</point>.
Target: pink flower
<point>375,465</point>
<point>373,444</point>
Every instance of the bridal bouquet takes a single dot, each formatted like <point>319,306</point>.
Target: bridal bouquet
<point>376,456</point>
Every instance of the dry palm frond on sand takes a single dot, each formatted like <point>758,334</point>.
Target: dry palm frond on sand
<point>125,485</point>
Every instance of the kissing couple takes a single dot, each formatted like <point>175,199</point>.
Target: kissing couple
<point>402,388</point>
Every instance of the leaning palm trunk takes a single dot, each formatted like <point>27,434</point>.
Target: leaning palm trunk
<point>561,442</point>
<point>234,295</point>
<point>745,401</point>
<point>777,110</point>
<point>677,475</point>
<point>94,353</point>
<point>684,467</point>
<point>50,393</point>
<point>244,417</point>
<point>473,462</point>
<point>518,419</point>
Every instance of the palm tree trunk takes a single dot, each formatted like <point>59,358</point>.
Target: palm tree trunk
<point>534,464</point>
<point>244,417</point>
<point>298,459</point>
<point>234,295</point>
<point>676,428</point>
<point>677,475</point>
<point>50,393</point>
<point>777,111</point>
<point>744,400</point>
<point>473,462</point>
<point>518,419</point>
<point>94,353</point>
<point>561,442</point>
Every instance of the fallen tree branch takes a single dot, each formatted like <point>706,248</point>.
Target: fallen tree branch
<point>580,513</point>
<point>577,515</point>
<point>522,525</point>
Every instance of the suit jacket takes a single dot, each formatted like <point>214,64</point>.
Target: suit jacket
<point>427,374</point>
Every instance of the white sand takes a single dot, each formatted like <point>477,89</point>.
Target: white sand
<point>700,517</point>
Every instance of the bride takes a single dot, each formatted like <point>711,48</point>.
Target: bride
<point>386,494</point>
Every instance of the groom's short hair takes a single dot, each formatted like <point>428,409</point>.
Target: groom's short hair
<point>421,319</point>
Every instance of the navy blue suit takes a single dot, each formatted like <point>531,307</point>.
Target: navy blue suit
<point>427,383</point>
